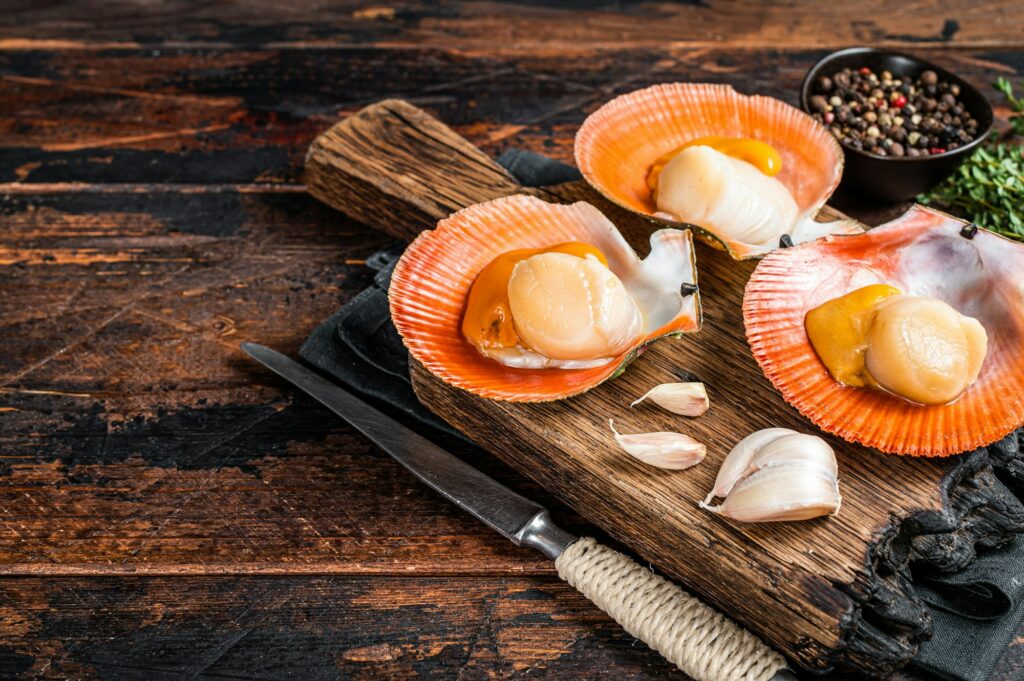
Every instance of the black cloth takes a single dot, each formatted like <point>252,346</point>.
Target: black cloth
<point>974,612</point>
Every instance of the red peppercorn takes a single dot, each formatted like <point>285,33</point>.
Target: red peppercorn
<point>829,117</point>
<point>936,150</point>
<point>900,102</point>
<point>864,70</point>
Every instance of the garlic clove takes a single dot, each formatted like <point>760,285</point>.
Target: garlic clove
<point>809,451</point>
<point>737,463</point>
<point>673,451</point>
<point>688,399</point>
<point>786,492</point>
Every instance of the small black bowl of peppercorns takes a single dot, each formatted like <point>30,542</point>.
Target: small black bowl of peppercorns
<point>904,124</point>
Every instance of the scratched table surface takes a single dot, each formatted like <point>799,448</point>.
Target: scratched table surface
<point>170,511</point>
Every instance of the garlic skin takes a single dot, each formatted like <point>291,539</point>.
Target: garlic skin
<point>777,474</point>
<point>737,463</point>
<point>687,399</point>
<point>672,451</point>
<point>780,494</point>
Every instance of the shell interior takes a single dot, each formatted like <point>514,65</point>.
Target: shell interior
<point>434,275</point>
<point>922,253</point>
<point>617,144</point>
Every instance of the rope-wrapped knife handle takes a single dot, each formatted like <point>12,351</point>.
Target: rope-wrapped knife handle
<point>691,635</point>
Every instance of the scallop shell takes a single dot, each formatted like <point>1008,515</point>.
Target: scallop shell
<point>922,253</point>
<point>434,275</point>
<point>619,142</point>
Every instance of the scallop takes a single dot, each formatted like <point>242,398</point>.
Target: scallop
<point>576,319</point>
<point>570,308</point>
<point>958,286</point>
<point>619,144</point>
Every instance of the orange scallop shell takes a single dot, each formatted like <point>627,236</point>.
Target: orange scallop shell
<point>434,275</point>
<point>921,253</point>
<point>617,144</point>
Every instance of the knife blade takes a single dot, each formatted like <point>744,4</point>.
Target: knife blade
<point>731,655</point>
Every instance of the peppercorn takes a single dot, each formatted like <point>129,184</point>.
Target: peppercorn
<point>883,112</point>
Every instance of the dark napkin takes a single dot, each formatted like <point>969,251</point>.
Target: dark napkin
<point>975,612</point>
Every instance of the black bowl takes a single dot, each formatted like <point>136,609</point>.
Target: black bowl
<point>891,178</point>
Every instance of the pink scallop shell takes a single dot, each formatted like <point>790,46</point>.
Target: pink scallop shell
<point>922,253</point>
<point>434,275</point>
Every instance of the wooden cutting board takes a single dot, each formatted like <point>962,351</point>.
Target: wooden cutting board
<point>828,592</point>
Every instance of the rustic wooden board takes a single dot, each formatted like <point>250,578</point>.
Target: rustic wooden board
<point>813,589</point>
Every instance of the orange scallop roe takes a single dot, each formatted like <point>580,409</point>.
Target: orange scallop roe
<point>838,332</point>
<point>487,322</point>
<point>761,155</point>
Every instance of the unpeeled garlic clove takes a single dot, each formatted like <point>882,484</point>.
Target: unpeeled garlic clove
<point>673,451</point>
<point>788,492</point>
<point>777,474</point>
<point>688,399</point>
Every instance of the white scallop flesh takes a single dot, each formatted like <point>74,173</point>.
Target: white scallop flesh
<point>732,199</point>
<point>569,308</point>
<point>924,350</point>
<point>727,196</point>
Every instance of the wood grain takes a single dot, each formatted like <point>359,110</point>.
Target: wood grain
<point>805,587</point>
<point>515,26</point>
<point>136,138</point>
<point>311,628</point>
<point>217,116</point>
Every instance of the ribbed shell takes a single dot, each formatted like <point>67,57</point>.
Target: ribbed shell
<point>433,277</point>
<point>618,143</point>
<point>922,253</point>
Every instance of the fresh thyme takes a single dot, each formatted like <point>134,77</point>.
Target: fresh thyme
<point>988,188</point>
<point>1016,104</point>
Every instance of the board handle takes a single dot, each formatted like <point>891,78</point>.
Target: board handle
<point>700,641</point>
<point>398,169</point>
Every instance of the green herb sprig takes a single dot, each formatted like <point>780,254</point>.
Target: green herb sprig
<point>1016,104</point>
<point>988,188</point>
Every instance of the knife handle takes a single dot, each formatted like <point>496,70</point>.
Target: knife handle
<point>688,633</point>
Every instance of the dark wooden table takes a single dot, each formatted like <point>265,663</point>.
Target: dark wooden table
<point>169,511</point>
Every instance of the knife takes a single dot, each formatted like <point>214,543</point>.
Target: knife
<point>691,635</point>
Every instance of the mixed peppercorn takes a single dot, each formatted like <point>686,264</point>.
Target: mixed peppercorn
<point>887,115</point>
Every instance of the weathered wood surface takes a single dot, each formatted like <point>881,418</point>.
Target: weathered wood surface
<point>523,26</point>
<point>152,216</point>
<point>806,588</point>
